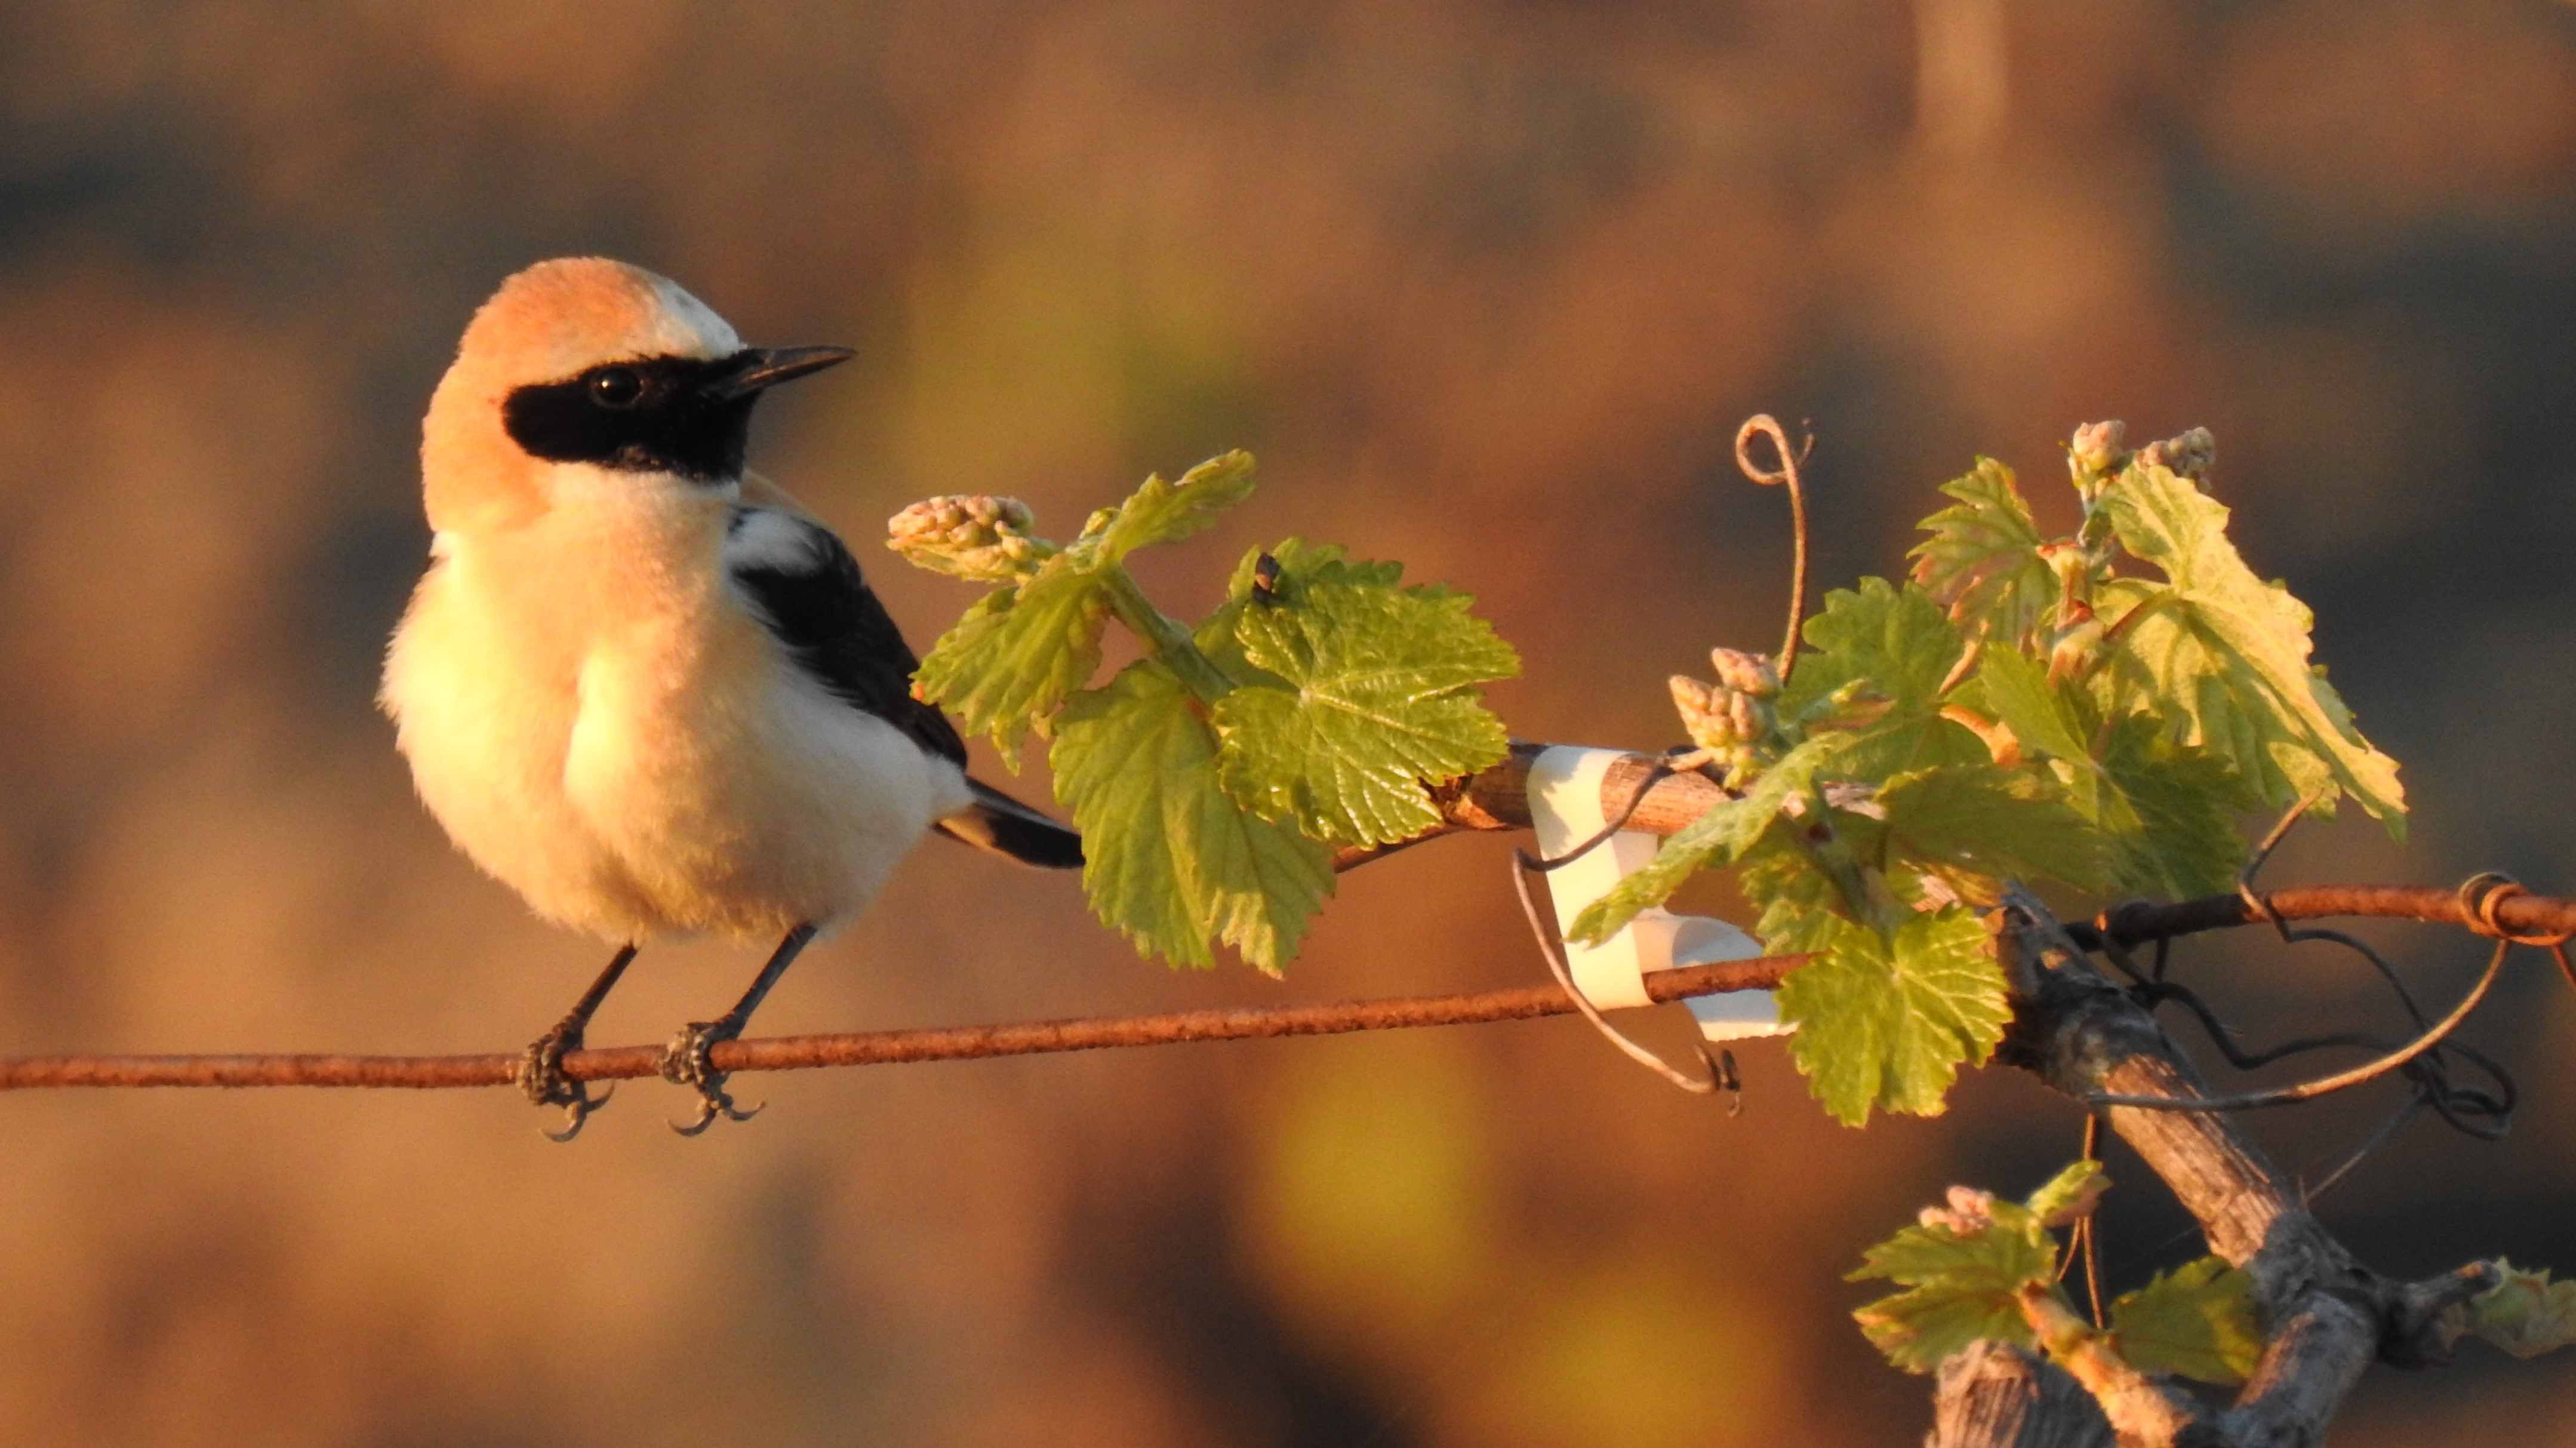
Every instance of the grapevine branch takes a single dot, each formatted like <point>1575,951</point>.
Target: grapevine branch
<point>1495,799</point>
<point>2327,1315</point>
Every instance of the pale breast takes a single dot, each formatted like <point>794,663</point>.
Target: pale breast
<point>484,705</point>
<point>742,798</point>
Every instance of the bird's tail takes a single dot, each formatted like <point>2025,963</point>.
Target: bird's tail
<point>1004,826</point>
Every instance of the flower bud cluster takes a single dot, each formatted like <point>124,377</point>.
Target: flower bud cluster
<point>1967,1213</point>
<point>2098,451</point>
<point>1745,673</point>
<point>2192,454</point>
<point>1732,718</point>
<point>977,537</point>
<point>1716,718</point>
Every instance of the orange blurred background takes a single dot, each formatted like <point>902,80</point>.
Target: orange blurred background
<point>1488,288</point>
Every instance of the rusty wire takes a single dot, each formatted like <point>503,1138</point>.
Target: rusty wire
<point>879,1048</point>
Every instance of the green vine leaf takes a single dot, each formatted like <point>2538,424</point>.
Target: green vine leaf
<point>2170,812</point>
<point>2039,713</point>
<point>2196,1321</point>
<point>1018,654</point>
<point>1374,698</point>
<point>2068,1195</point>
<point>1897,641</point>
<point>1800,909</point>
<point>1978,1268</point>
<point>1210,779</point>
<point>1898,647</point>
<point>1161,512</point>
<point>2230,652</point>
<point>1965,1267</point>
<point>1982,561</point>
<point>1887,1022</point>
<point>1995,823</point>
<point>1022,650</point>
<point>1168,858</point>
<point>2525,1313</point>
<point>1959,1289</point>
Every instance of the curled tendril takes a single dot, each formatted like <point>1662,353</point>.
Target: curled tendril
<point>1763,425</point>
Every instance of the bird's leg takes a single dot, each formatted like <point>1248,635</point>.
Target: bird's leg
<point>541,1066</point>
<point>684,1061</point>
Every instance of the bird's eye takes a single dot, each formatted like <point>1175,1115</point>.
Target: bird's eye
<point>616,387</point>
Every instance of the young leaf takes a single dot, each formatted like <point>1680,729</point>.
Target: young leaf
<point>2196,1321</point>
<point>1888,1023</point>
<point>1961,1285</point>
<point>1982,561</point>
<point>1019,652</point>
<point>2525,1313</point>
<point>1374,700</point>
<point>1718,837</point>
<point>2170,813</point>
<point>1168,858</point>
<point>1161,512</point>
<point>2069,1194</point>
<point>2019,692</point>
<point>1968,1266</point>
<point>1999,823</point>
<point>1022,649</point>
<point>1297,560</point>
<point>1895,640</point>
<point>2232,652</point>
<point>1801,909</point>
<point>1897,645</point>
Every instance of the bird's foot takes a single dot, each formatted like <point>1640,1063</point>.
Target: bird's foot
<point>541,1076</point>
<point>685,1063</point>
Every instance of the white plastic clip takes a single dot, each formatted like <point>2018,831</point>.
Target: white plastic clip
<point>1565,805</point>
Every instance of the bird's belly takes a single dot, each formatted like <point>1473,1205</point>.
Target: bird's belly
<point>744,800</point>
<point>487,741</point>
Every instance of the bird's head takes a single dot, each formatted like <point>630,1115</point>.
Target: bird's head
<point>590,373</point>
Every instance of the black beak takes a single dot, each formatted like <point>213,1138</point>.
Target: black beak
<point>754,369</point>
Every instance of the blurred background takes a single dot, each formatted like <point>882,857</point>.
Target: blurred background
<point>1488,288</point>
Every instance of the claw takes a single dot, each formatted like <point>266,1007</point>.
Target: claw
<point>542,1079</point>
<point>711,1106</point>
<point>685,1063</point>
<point>577,1111</point>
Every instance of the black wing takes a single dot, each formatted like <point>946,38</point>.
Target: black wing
<point>806,587</point>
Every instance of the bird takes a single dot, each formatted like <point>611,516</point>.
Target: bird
<point>639,684</point>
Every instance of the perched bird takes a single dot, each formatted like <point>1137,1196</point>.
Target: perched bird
<point>642,687</point>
